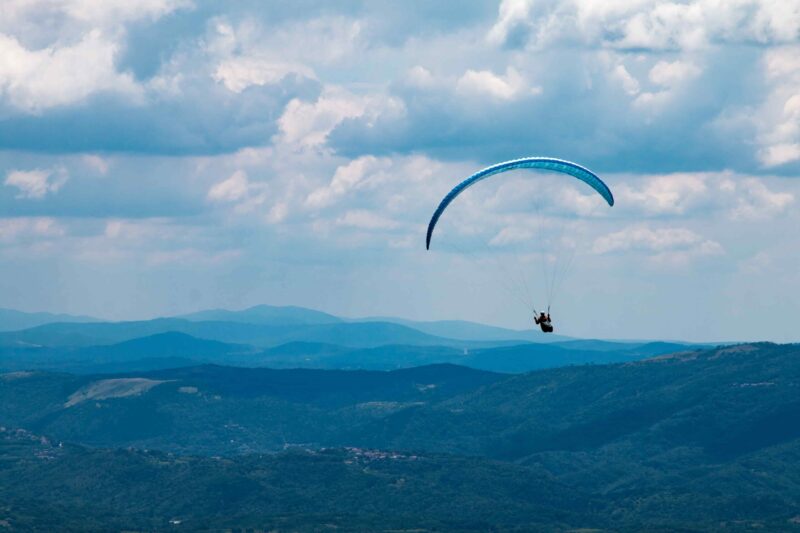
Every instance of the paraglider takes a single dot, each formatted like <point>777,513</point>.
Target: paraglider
<point>541,163</point>
<point>543,321</point>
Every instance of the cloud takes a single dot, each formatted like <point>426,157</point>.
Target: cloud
<point>701,194</point>
<point>662,245</point>
<point>366,220</point>
<point>238,189</point>
<point>756,201</point>
<point>512,20</point>
<point>485,82</point>
<point>356,174</point>
<point>540,193</point>
<point>53,24</point>
<point>230,190</point>
<point>362,79</point>
<point>403,186</point>
<point>670,73</point>
<point>779,116</point>
<point>251,52</point>
<point>240,73</point>
<point>611,111</point>
<point>153,243</point>
<point>244,61</point>
<point>306,142</point>
<point>278,213</point>
<point>759,263</point>
<point>29,229</point>
<point>645,24</point>
<point>672,194</point>
<point>512,235</point>
<point>36,184</point>
<point>97,163</point>
<point>91,12</point>
<point>642,238</point>
<point>308,124</point>
<point>103,11</point>
<point>34,81</point>
<point>667,78</point>
<point>79,90</point>
<point>420,77</point>
<point>628,82</point>
<point>779,154</point>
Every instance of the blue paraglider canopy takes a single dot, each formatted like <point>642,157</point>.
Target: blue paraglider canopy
<point>542,163</point>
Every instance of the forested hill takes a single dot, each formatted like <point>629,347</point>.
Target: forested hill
<point>48,486</point>
<point>696,399</point>
<point>689,441</point>
<point>723,403</point>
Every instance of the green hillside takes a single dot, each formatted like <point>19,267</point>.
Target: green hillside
<point>694,441</point>
<point>48,487</point>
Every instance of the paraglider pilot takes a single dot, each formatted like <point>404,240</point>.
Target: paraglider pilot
<point>543,320</point>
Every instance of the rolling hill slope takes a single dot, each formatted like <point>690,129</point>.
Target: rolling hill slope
<point>693,401</point>
<point>694,441</point>
<point>246,409</point>
<point>48,487</point>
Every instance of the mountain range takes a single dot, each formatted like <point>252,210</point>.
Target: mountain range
<point>12,320</point>
<point>294,337</point>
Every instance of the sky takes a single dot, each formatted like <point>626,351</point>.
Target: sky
<point>164,156</point>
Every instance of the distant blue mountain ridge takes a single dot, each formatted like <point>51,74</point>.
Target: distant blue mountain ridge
<point>466,330</point>
<point>12,320</point>
<point>292,315</point>
<point>295,337</point>
<point>351,334</point>
<point>265,314</point>
<point>173,350</point>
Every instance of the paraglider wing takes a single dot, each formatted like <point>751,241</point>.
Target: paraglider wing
<point>543,163</point>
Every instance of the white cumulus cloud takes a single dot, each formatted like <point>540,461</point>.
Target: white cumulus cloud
<point>97,163</point>
<point>234,188</point>
<point>669,73</point>
<point>702,194</point>
<point>35,80</point>
<point>357,174</point>
<point>420,77</point>
<point>485,82</point>
<point>647,24</point>
<point>629,84</point>
<point>670,194</point>
<point>96,12</point>
<point>308,124</point>
<point>756,201</point>
<point>779,116</point>
<point>661,245</point>
<point>50,21</point>
<point>239,73</point>
<point>36,184</point>
<point>239,190</point>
